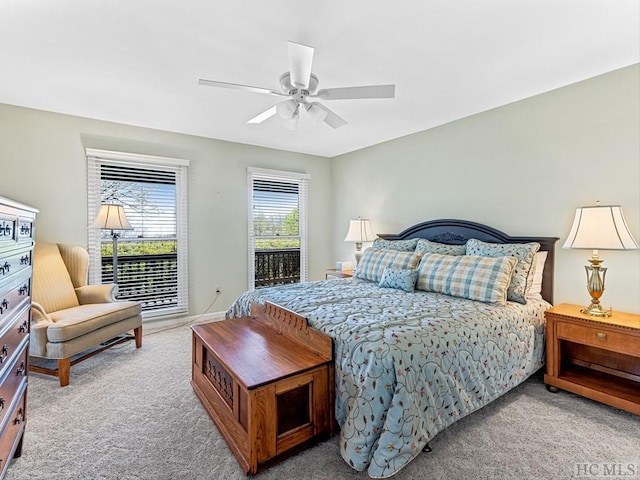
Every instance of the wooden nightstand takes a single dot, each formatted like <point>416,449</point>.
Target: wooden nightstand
<point>333,273</point>
<point>598,358</point>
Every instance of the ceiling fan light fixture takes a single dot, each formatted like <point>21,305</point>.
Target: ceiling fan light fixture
<point>292,123</point>
<point>287,109</point>
<point>317,112</point>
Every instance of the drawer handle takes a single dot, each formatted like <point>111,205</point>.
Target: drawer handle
<point>4,306</point>
<point>25,229</point>
<point>24,260</point>
<point>601,336</point>
<point>5,230</point>
<point>23,290</point>
<point>22,371</point>
<point>24,327</point>
<point>19,418</point>
<point>2,403</point>
<point>4,353</point>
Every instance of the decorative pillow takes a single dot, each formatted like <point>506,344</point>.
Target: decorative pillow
<point>373,262</point>
<point>399,278</point>
<point>427,246</point>
<point>535,290</point>
<point>522,273</point>
<point>485,279</point>
<point>401,245</point>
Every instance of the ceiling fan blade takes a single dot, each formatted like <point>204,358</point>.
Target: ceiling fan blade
<point>332,119</point>
<point>300,62</point>
<point>237,86</point>
<point>346,93</point>
<point>261,117</point>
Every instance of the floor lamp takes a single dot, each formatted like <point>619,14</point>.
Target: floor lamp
<point>112,217</point>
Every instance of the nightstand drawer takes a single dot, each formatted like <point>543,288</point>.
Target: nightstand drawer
<point>599,337</point>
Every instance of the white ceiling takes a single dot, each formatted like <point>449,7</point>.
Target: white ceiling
<point>138,62</point>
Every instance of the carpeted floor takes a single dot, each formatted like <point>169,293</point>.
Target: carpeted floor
<point>132,414</point>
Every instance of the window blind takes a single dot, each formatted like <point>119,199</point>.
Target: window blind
<point>277,227</point>
<point>152,258</point>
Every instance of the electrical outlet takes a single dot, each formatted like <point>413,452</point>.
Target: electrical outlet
<point>218,290</point>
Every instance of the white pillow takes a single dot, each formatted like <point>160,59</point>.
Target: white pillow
<point>535,291</point>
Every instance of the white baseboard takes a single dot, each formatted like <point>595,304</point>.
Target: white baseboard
<point>155,324</point>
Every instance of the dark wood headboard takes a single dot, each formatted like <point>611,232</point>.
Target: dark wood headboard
<point>457,232</point>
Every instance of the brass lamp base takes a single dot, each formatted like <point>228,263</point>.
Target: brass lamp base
<point>596,310</point>
<point>595,286</point>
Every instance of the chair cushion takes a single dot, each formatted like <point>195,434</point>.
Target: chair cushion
<point>52,287</point>
<point>77,321</point>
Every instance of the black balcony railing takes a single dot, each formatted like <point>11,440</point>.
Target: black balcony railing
<point>274,267</point>
<point>149,279</point>
<point>153,279</point>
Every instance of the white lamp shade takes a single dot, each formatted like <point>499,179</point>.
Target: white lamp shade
<point>600,228</point>
<point>292,123</point>
<point>111,217</point>
<point>359,231</point>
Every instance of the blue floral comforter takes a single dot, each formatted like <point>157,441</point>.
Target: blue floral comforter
<point>410,364</point>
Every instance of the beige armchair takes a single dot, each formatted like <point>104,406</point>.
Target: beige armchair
<point>70,320</point>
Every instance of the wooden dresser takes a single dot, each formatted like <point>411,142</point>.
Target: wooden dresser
<point>16,248</point>
<point>266,381</point>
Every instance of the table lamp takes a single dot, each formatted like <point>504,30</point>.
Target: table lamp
<point>359,232</point>
<point>600,227</point>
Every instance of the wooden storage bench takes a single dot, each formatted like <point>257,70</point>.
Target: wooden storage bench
<point>267,383</point>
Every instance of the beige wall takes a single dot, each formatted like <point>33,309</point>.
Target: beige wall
<point>522,168</point>
<point>43,164</point>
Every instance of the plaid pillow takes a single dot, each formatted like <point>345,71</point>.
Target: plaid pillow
<point>374,261</point>
<point>522,273</point>
<point>485,279</point>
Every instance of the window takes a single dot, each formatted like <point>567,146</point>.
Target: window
<point>152,258</point>
<point>277,227</point>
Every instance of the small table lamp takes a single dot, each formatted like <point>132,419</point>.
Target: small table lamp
<point>112,217</point>
<point>359,231</point>
<point>602,227</point>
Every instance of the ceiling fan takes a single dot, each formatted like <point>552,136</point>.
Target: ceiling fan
<point>299,88</point>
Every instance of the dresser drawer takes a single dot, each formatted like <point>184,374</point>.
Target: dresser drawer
<point>12,381</point>
<point>12,335</point>
<point>604,338</point>
<point>7,230</point>
<point>24,230</point>
<point>13,264</point>
<point>12,429</point>
<point>14,295</point>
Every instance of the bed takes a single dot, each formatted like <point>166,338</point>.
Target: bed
<point>410,363</point>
